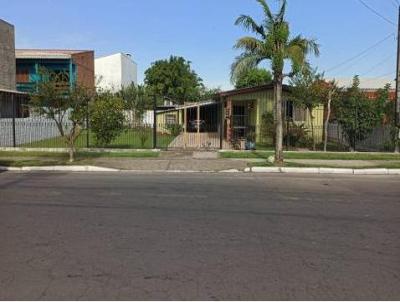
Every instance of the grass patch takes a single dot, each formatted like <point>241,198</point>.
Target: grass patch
<point>129,139</point>
<point>312,155</point>
<point>36,158</point>
<point>31,162</point>
<point>79,154</point>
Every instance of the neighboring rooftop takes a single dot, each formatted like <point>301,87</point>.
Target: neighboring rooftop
<point>46,53</point>
<point>367,83</point>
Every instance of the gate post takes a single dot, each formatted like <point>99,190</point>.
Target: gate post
<point>154,122</point>
<point>198,128</point>
<point>221,126</point>
<point>87,124</point>
<point>185,127</point>
<point>14,112</point>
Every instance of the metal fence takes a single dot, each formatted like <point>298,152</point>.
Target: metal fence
<point>18,129</point>
<point>380,139</point>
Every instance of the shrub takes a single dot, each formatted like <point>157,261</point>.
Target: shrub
<point>143,135</point>
<point>107,118</point>
<point>268,128</point>
<point>175,129</point>
<point>297,135</point>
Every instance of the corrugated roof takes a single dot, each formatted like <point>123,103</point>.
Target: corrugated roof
<point>251,90</point>
<point>46,53</point>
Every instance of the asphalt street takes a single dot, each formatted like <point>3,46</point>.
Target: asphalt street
<point>199,236</point>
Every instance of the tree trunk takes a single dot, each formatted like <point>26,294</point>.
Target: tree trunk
<point>328,116</point>
<point>397,141</point>
<point>278,121</point>
<point>71,154</point>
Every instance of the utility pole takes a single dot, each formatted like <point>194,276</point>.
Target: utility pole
<point>154,121</point>
<point>397,100</point>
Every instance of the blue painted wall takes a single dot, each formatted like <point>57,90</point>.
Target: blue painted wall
<point>33,67</point>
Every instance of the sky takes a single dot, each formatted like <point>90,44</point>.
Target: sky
<point>203,31</point>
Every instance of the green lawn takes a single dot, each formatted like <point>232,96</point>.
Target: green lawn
<point>35,158</point>
<point>312,155</point>
<point>129,139</point>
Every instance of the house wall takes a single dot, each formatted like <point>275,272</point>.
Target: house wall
<point>129,71</point>
<point>12,104</point>
<point>28,71</point>
<point>84,65</point>
<point>264,102</point>
<point>115,71</point>
<point>162,124</point>
<point>7,56</point>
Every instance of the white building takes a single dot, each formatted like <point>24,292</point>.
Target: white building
<point>115,71</point>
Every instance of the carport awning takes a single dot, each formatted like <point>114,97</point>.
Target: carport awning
<point>192,105</point>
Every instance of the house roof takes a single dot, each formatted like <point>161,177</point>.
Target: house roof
<point>46,53</point>
<point>251,90</point>
<point>187,106</point>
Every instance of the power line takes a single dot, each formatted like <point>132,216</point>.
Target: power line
<point>396,3</point>
<point>376,12</point>
<point>360,54</point>
<point>377,65</point>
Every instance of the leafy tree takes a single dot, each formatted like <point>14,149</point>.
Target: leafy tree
<point>137,100</point>
<point>388,108</point>
<point>66,106</point>
<point>175,79</point>
<point>107,118</point>
<point>357,114</point>
<point>208,93</point>
<point>273,43</point>
<point>307,93</point>
<point>253,77</point>
<point>329,92</point>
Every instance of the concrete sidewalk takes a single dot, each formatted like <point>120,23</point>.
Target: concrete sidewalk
<point>193,161</point>
<point>174,161</point>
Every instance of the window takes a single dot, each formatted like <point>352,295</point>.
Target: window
<point>170,119</point>
<point>22,75</point>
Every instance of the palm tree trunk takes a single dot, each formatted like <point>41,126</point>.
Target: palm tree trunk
<point>328,116</point>
<point>278,121</point>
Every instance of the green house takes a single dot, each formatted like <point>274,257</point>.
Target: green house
<point>233,116</point>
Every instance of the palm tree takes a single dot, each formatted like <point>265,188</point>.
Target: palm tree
<point>273,43</point>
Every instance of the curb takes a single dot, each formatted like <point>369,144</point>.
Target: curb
<point>273,170</point>
<point>60,169</point>
<point>324,171</point>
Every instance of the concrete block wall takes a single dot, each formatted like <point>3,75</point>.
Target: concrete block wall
<point>7,56</point>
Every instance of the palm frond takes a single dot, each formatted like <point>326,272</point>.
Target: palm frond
<point>243,63</point>
<point>266,8</point>
<point>248,23</point>
<point>280,16</point>
<point>308,46</point>
<point>249,44</point>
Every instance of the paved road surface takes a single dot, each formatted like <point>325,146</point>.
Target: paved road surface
<point>199,236</point>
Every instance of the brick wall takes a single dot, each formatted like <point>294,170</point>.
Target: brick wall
<point>84,62</point>
<point>7,56</point>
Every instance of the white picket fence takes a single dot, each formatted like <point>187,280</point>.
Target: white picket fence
<point>27,131</point>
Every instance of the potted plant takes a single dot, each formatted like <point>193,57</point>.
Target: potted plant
<point>250,141</point>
